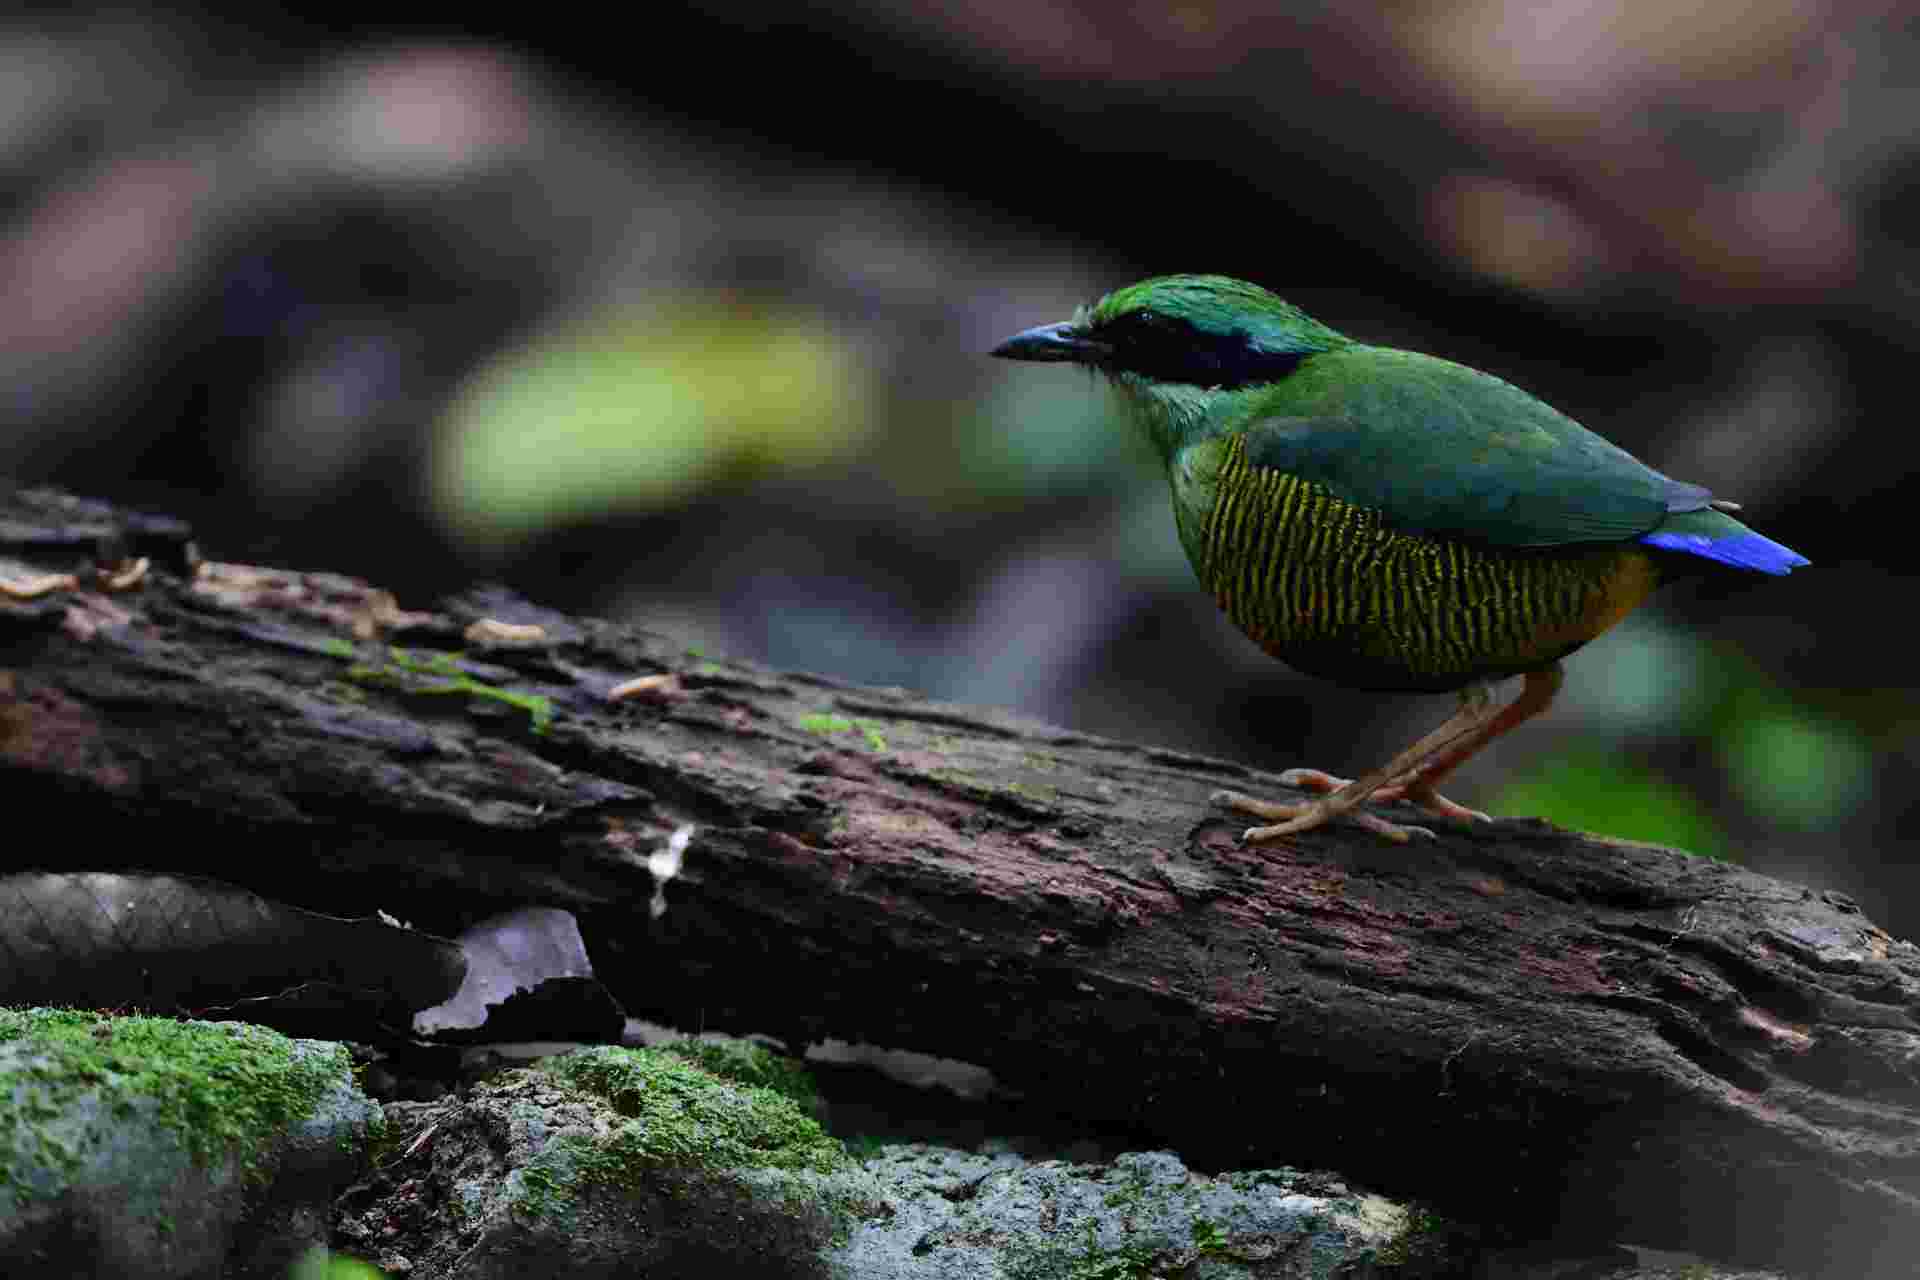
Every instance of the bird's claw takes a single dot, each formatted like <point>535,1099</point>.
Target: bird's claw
<point>1313,780</point>
<point>1291,819</point>
<point>1401,791</point>
<point>1440,807</point>
<point>1398,832</point>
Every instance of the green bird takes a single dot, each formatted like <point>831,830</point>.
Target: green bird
<point>1388,520</point>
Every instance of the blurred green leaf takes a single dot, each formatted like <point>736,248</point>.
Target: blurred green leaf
<point>1793,767</point>
<point>642,408</point>
<point>319,1263</point>
<point>1589,791</point>
<point>1647,675</point>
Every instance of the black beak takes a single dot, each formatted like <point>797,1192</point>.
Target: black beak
<point>1058,342</point>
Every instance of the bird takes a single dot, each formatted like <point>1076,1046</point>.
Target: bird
<point>1388,520</point>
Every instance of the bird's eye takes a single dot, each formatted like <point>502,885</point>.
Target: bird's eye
<point>1168,348</point>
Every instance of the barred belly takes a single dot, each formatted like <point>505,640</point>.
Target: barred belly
<point>1329,588</point>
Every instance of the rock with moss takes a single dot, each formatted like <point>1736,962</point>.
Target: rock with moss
<point>996,1216</point>
<point>744,1062</point>
<point>150,1147</point>
<point>608,1162</point>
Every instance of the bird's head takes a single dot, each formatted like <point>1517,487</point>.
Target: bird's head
<point>1188,353</point>
<point>1205,332</point>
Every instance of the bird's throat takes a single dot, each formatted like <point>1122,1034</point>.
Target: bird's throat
<point>1174,415</point>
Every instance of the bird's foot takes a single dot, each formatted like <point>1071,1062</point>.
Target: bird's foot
<point>1420,796</point>
<point>1423,797</point>
<point>1291,819</point>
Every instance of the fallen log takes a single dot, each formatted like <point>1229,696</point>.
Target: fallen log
<point>1562,1036</point>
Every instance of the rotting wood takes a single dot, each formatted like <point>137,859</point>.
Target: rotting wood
<point>1570,1035</point>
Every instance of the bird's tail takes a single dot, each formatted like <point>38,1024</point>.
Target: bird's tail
<point>1714,535</point>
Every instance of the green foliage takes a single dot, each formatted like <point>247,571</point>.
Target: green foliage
<point>1649,675</point>
<point>1791,766</point>
<point>1603,793</point>
<point>319,1263</point>
<point>1789,762</point>
<point>642,408</point>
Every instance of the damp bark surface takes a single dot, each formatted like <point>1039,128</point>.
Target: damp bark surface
<point>1561,1036</point>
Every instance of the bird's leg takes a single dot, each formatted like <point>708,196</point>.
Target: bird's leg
<point>1416,785</point>
<point>1475,710</point>
<point>1536,695</point>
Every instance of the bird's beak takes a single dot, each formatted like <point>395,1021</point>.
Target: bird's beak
<point>1061,342</point>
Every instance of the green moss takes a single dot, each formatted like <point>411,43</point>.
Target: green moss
<point>690,1116</point>
<point>338,647</point>
<point>1131,1193</point>
<point>1424,1239</point>
<point>1086,1261</point>
<point>1136,1261</point>
<point>418,673</point>
<point>225,1089</point>
<point>826,722</point>
<point>1021,796</point>
<point>865,1146</point>
<point>678,1117</point>
<point>1131,1263</point>
<point>1209,1237</point>
<point>426,663</point>
<point>744,1062</point>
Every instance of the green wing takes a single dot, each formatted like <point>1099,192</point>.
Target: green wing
<point>1440,448</point>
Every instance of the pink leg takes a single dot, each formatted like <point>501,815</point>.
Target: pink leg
<point>1411,776</point>
<point>1536,695</point>
<point>1290,819</point>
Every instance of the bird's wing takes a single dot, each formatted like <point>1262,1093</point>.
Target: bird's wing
<point>1439,448</point>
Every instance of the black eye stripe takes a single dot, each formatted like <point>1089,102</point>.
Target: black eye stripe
<point>1167,349</point>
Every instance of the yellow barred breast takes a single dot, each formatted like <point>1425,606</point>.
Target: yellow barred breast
<point>1329,588</point>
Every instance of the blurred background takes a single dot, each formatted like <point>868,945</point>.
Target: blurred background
<point>685,324</point>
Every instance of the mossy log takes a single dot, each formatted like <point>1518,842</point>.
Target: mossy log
<point>1564,1035</point>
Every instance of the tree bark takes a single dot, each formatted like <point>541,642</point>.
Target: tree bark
<point>1555,1033</point>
